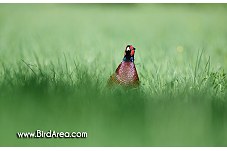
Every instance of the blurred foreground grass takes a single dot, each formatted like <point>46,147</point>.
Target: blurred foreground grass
<point>56,58</point>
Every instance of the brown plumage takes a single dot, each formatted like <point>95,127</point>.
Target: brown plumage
<point>126,74</point>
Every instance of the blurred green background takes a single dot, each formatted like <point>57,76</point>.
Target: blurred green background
<point>56,58</point>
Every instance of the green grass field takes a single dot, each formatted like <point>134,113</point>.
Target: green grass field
<point>55,60</point>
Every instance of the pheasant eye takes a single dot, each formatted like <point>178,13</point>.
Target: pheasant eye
<point>131,47</point>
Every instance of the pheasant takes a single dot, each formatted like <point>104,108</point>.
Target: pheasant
<point>126,74</point>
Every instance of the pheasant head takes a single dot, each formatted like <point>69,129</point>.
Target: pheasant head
<point>129,53</point>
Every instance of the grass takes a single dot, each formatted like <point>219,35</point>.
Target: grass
<point>56,59</point>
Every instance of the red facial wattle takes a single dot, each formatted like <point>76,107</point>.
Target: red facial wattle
<point>132,52</point>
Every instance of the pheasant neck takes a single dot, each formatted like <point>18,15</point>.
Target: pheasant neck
<point>128,59</point>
